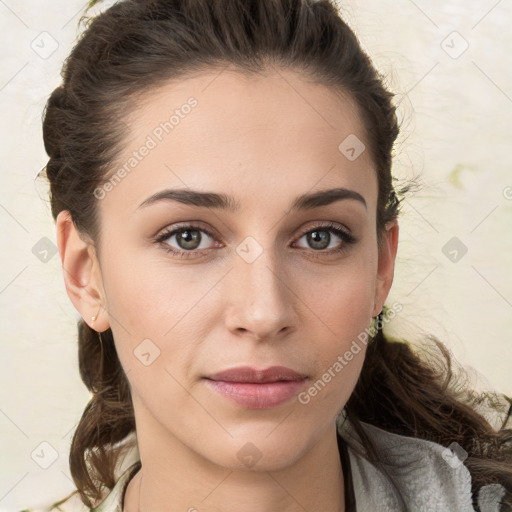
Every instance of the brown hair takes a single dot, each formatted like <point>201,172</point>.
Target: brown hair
<point>137,45</point>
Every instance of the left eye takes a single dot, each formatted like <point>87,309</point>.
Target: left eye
<point>321,238</point>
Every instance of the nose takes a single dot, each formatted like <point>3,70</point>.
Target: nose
<point>260,301</point>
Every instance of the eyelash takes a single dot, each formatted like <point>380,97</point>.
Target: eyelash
<point>347,238</point>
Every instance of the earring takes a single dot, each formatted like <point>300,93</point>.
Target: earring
<point>93,318</point>
<point>379,320</point>
<point>376,326</point>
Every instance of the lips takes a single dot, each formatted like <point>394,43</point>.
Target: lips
<point>249,374</point>
<point>257,389</point>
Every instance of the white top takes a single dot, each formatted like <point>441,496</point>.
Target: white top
<point>431,478</point>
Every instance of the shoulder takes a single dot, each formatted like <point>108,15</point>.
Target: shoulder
<point>422,475</point>
<point>425,475</point>
<point>111,501</point>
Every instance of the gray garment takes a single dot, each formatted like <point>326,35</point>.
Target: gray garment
<point>430,477</point>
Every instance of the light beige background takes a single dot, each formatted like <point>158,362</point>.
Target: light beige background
<point>456,108</point>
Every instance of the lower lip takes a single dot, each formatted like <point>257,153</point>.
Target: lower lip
<point>257,396</point>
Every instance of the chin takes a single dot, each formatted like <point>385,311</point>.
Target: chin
<point>260,453</point>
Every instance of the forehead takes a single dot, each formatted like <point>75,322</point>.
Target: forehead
<point>247,135</point>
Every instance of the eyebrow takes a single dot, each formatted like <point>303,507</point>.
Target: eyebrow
<point>225,202</point>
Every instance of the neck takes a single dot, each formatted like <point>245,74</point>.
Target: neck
<point>184,481</point>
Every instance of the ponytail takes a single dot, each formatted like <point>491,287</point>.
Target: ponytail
<point>107,419</point>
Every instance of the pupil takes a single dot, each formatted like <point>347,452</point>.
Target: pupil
<point>319,239</point>
<point>189,239</point>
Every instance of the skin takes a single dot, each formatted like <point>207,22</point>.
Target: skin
<point>264,140</point>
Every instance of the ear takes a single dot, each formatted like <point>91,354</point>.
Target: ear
<point>82,273</point>
<point>386,265</point>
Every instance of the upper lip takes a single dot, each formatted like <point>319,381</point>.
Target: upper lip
<point>249,374</point>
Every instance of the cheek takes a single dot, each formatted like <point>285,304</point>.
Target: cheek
<point>341,304</point>
<point>150,296</point>
<point>159,313</point>
<point>341,296</point>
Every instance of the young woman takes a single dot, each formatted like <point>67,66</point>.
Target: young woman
<point>220,176</point>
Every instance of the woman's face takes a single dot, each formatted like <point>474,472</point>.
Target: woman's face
<point>259,278</point>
